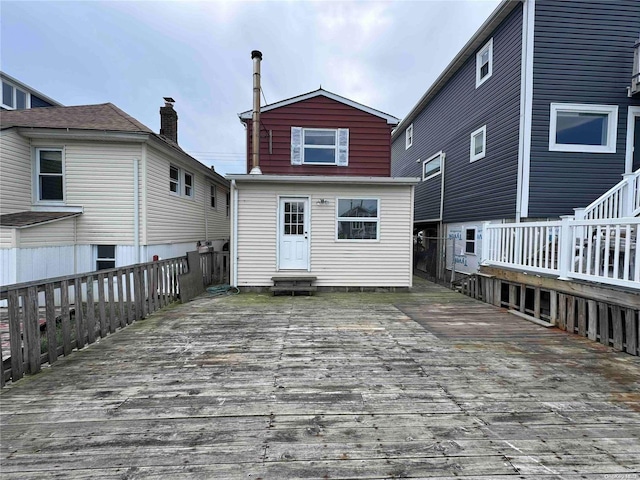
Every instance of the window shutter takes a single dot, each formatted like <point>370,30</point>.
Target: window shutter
<point>343,147</point>
<point>296,145</point>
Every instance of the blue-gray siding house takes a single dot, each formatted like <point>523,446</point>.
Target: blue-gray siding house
<point>533,118</point>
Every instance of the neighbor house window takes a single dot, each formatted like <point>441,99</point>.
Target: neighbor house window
<point>13,97</point>
<point>105,257</point>
<point>358,219</point>
<point>478,147</point>
<point>583,128</point>
<point>408,137</point>
<point>188,185</point>
<point>431,166</point>
<point>228,203</point>
<point>484,63</point>
<point>50,172</point>
<point>470,241</point>
<point>174,180</point>
<point>213,193</point>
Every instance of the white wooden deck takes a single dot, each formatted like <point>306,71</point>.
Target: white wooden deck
<point>429,384</point>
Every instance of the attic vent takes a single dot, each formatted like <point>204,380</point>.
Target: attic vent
<point>635,78</point>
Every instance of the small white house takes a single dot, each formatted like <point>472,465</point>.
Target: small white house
<point>324,205</point>
<point>89,187</point>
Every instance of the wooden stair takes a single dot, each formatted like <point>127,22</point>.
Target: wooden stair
<point>293,285</point>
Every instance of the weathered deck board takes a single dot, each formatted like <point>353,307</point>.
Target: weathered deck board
<point>419,385</point>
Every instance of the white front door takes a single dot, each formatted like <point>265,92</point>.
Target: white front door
<point>293,234</point>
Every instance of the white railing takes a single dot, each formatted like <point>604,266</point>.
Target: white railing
<point>622,200</point>
<point>603,251</point>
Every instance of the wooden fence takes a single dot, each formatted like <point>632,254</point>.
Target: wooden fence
<point>603,321</point>
<point>51,318</point>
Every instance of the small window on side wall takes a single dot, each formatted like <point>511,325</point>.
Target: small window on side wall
<point>432,166</point>
<point>174,180</point>
<point>213,193</point>
<point>583,128</point>
<point>484,63</point>
<point>188,185</point>
<point>105,257</point>
<point>228,204</point>
<point>478,147</point>
<point>470,241</point>
<point>50,172</point>
<point>408,136</point>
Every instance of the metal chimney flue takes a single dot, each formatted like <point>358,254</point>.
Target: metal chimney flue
<point>256,56</point>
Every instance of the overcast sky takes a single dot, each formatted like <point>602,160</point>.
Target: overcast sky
<point>382,54</point>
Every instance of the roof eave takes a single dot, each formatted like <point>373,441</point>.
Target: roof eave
<point>323,179</point>
<point>481,36</point>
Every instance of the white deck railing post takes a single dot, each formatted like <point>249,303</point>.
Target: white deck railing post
<point>487,243</point>
<point>628,194</point>
<point>565,249</point>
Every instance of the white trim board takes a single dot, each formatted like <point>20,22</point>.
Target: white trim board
<point>391,120</point>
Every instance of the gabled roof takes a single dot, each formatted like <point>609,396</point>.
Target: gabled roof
<point>478,39</point>
<point>391,120</point>
<point>105,116</point>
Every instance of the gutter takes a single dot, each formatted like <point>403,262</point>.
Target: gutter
<point>324,179</point>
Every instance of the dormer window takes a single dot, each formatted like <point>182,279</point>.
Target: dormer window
<point>13,98</point>
<point>484,63</point>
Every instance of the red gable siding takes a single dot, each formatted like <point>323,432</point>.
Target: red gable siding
<point>369,138</point>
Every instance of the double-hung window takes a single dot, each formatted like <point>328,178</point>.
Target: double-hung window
<point>478,147</point>
<point>320,146</point>
<point>50,173</point>
<point>181,183</point>
<point>213,191</point>
<point>358,219</point>
<point>583,128</point>
<point>105,257</point>
<point>408,137</point>
<point>188,185</point>
<point>470,241</point>
<point>432,166</point>
<point>174,180</point>
<point>484,63</point>
<point>228,203</point>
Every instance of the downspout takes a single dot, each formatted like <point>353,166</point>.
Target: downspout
<point>526,104</point>
<point>256,56</point>
<point>234,233</point>
<point>136,209</point>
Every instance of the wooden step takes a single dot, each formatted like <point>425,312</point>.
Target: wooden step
<point>293,284</point>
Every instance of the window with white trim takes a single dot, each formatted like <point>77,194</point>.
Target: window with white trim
<point>484,63</point>
<point>213,192</point>
<point>228,203</point>
<point>181,183</point>
<point>408,137</point>
<point>357,219</point>
<point>14,98</point>
<point>431,167</point>
<point>470,241</point>
<point>575,127</point>
<point>188,184</point>
<point>105,257</point>
<point>478,144</point>
<point>320,146</point>
<point>174,179</point>
<point>50,175</point>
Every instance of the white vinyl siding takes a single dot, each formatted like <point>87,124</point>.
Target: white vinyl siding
<point>6,237</point>
<point>334,263</point>
<point>15,173</point>
<point>49,234</point>
<point>172,218</point>
<point>99,178</point>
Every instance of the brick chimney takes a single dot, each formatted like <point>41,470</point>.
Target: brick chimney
<point>169,120</point>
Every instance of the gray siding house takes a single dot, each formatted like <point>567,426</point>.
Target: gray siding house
<point>536,116</point>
